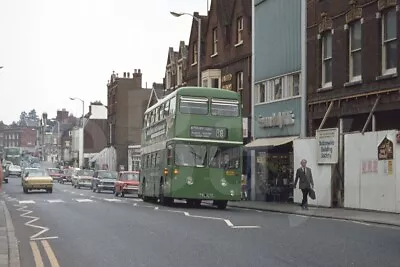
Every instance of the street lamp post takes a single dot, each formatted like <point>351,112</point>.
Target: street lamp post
<point>198,20</point>
<point>82,133</point>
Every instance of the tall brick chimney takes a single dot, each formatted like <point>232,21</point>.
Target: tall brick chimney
<point>137,77</point>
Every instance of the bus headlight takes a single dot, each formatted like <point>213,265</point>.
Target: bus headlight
<point>189,180</point>
<point>232,193</point>
<point>223,182</point>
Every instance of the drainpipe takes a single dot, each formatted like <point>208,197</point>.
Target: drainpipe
<point>303,113</point>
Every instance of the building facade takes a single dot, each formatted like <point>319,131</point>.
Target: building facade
<point>353,61</point>
<point>276,97</point>
<point>127,101</point>
<point>176,67</point>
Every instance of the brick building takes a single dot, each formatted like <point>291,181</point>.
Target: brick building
<point>176,66</point>
<point>352,64</point>
<point>127,101</point>
<point>226,50</point>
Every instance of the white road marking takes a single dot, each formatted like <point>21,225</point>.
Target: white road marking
<point>81,194</point>
<point>30,223</point>
<point>246,227</point>
<point>83,200</point>
<point>137,199</point>
<point>156,208</point>
<point>65,190</point>
<point>27,202</point>
<point>72,192</point>
<point>44,238</point>
<point>135,204</point>
<point>228,222</point>
<point>112,200</point>
<point>55,201</point>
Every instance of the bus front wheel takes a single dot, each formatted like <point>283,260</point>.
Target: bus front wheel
<point>221,204</point>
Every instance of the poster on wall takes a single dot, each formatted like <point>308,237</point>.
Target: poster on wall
<point>385,149</point>
<point>328,145</point>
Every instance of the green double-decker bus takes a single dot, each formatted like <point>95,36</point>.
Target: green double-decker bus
<point>192,147</point>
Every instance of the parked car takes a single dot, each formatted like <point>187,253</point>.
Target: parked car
<point>13,170</point>
<point>104,180</point>
<point>55,173</point>
<point>127,183</point>
<point>37,179</point>
<point>84,178</point>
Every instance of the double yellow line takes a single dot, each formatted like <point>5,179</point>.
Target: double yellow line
<point>49,251</point>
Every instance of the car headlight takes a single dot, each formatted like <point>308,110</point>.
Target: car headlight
<point>232,193</point>
<point>189,180</point>
<point>223,182</point>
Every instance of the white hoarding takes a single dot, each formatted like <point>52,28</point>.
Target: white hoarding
<point>328,146</point>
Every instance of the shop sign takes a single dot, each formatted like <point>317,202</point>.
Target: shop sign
<point>227,82</point>
<point>327,146</point>
<point>385,149</point>
<point>279,119</point>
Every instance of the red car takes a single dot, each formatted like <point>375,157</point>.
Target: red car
<point>55,173</point>
<point>127,183</point>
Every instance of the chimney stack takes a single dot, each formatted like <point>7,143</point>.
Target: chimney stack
<point>137,76</point>
<point>124,74</point>
<point>135,70</point>
<point>138,70</point>
<point>129,74</point>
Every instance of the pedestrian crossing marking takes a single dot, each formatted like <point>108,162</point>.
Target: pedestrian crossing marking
<point>55,201</point>
<point>112,199</point>
<point>27,202</point>
<point>83,200</point>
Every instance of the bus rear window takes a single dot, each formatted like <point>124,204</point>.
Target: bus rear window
<point>225,107</point>
<point>193,105</point>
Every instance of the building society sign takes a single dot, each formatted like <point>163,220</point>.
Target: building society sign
<point>327,146</point>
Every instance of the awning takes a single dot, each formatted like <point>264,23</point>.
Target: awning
<point>268,142</point>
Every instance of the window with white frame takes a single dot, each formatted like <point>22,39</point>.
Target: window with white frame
<point>214,82</point>
<point>215,41</point>
<point>205,82</point>
<point>389,41</point>
<point>326,59</point>
<point>239,34</point>
<point>194,53</point>
<point>239,81</point>
<point>261,93</point>
<point>355,50</point>
<point>179,74</point>
<point>278,88</point>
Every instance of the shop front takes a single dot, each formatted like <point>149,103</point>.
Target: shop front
<point>277,124</point>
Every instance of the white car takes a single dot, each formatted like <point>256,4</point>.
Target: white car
<point>14,170</point>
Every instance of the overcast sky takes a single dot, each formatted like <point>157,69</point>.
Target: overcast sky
<point>53,49</point>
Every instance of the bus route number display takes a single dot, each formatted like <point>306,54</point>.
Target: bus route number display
<point>208,132</point>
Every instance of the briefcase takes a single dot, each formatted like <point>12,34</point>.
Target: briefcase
<point>312,194</point>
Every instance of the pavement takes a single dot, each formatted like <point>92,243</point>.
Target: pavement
<point>9,252</point>
<point>77,227</point>
<point>385,218</point>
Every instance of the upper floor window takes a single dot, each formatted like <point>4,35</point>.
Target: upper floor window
<point>389,41</point>
<point>327,59</point>
<point>179,74</point>
<point>239,81</point>
<point>355,51</point>
<point>195,55</point>
<point>215,41</point>
<point>278,88</point>
<point>239,34</point>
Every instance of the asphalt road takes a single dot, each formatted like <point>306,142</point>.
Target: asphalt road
<point>80,228</point>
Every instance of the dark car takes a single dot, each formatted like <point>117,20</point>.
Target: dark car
<point>104,180</point>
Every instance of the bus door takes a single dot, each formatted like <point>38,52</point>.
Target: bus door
<point>168,171</point>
